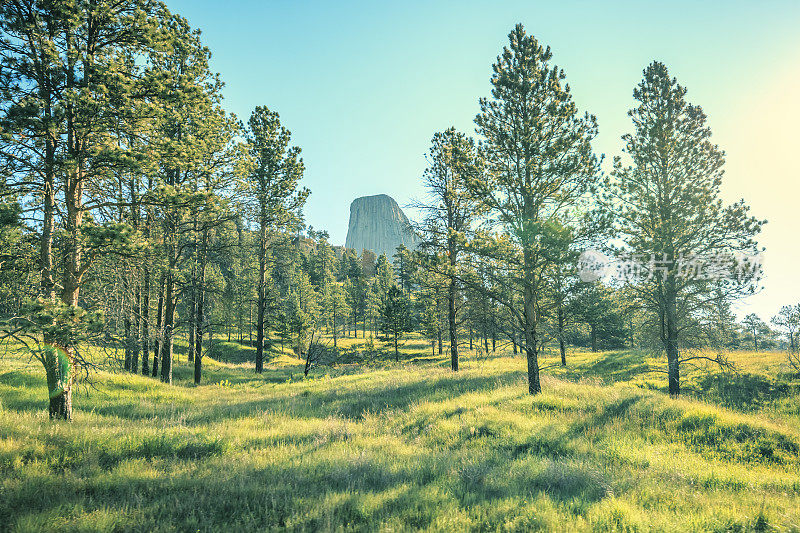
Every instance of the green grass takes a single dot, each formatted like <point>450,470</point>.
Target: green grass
<point>405,446</point>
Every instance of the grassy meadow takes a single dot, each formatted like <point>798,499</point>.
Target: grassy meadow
<point>406,446</point>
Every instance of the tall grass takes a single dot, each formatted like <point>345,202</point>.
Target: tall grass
<point>404,447</point>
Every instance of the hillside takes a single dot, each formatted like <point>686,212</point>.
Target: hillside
<point>408,446</point>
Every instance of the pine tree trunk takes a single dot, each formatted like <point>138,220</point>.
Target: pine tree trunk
<point>48,220</point>
<point>192,305</point>
<point>529,329</point>
<point>127,329</point>
<point>262,297</point>
<point>561,345</point>
<point>137,323</point>
<point>673,363</point>
<point>159,326</point>
<point>127,310</point>
<point>334,326</point>
<point>61,407</point>
<point>451,322</point>
<point>534,386</point>
<point>630,323</point>
<point>200,298</point>
<point>145,316</point>
<point>137,289</point>
<point>169,322</point>
<point>60,403</point>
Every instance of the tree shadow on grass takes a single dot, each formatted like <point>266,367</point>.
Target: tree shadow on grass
<point>244,498</point>
<point>313,492</point>
<point>742,391</point>
<point>354,401</point>
<point>23,391</point>
<point>235,353</point>
<point>19,378</point>
<point>603,416</point>
<point>560,444</point>
<point>611,367</point>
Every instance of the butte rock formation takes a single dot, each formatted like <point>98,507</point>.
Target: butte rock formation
<point>377,223</point>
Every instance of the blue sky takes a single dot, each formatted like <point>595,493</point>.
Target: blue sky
<point>364,85</point>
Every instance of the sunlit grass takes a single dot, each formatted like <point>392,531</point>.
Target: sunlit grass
<point>409,445</point>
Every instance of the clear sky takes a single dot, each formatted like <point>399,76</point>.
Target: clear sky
<point>364,85</point>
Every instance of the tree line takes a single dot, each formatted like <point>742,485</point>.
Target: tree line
<point>135,208</point>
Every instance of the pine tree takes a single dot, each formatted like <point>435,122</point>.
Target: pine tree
<point>72,95</point>
<point>453,162</point>
<point>755,326</point>
<point>395,318</point>
<point>274,199</point>
<point>187,137</point>
<point>668,209</point>
<point>539,162</point>
<point>788,319</point>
